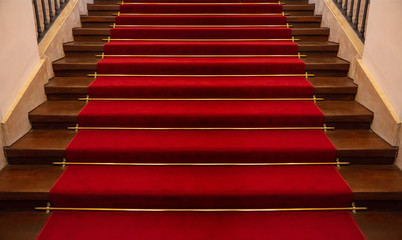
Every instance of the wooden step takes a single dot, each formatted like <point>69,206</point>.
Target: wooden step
<point>62,114</point>
<point>67,88</point>
<point>91,49</point>
<point>375,184</point>
<point>356,146</point>
<point>80,67</point>
<point>106,21</point>
<point>375,224</point>
<point>97,34</point>
<point>380,179</point>
<point>290,9</point>
<point>334,88</point>
<point>26,186</point>
<point>72,88</point>
<point>21,224</point>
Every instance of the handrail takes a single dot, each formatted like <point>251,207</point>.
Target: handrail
<point>352,10</point>
<point>46,12</point>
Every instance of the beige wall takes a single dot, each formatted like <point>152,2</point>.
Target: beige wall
<point>18,49</point>
<point>383,50</point>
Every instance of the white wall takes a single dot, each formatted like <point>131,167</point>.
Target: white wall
<point>383,50</point>
<point>18,50</point>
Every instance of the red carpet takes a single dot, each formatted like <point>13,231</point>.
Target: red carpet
<point>200,33</point>
<point>201,8</point>
<point>201,65</point>
<point>201,226</point>
<point>189,187</point>
<point>200,20</point>
<point>182,187</point>
<point>201,48</point>
<point>201,114</point>
<point>201,146</point>
<point>201,87</point>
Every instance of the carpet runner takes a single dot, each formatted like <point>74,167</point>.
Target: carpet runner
<point>172,194</point>
<point>201,87</point>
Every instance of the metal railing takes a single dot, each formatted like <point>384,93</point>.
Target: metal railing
<point>356,12</point>
<point>46,12</point>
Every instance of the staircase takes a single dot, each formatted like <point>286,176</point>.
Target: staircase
<point>375,182</point>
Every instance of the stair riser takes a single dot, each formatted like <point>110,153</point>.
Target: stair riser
<point>94,53</point>
<point>17,204</point>
<point>95,38</point>
<point>74,97</point>
<point>83,73</point>
<point>107,24</point>
<point>32,160</point>
<point>65,125</point>
<point>112,12</point>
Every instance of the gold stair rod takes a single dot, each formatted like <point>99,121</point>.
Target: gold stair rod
<point>201,99</point>
<point>197,39</point>
<point>200,25</point>
<point>200,14</point>
<point>181,3</point>
<point>201,56</point>
<point>352,208</point>
<point>95,75</point>
<point>76,128</point>
<point>201,164</point>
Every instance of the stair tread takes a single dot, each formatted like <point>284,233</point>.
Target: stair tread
<point>114,7</point>
<point>375,225</point>
<point>385,179</point>
<point>327,84</point>
<point>80,84</point>
<point>60,111</point>
<point>87,63</point>
<point>106,31</point>
<point>33,182</point>
<point>99,46</point>
<point>111,19</point>
<point>22,224</point>
<point>349,143</point>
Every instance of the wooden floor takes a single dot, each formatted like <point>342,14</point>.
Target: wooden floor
<point>375,182</point>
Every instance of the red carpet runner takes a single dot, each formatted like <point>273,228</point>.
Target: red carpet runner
<point>171,96</point>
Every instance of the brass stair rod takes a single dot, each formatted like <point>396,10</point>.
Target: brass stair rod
<point>200,14</point>
<point>76,128</point>
<point>286,25</point>
<point>200,99</point>
<point>216,3</point>
<point>198,39</point>
<point>200,164</point>
<point>352,208</point>
<point>200,56</point>
<point>195,75</point>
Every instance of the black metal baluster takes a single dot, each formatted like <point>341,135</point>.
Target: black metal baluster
<point>345,8</point>
<point>57,7</point>
<point>45,20</point>
<point>352,15</point>
<point>39,28</point>
<point>356,20</point>
<point>51,15</point>
<point>352,5</point>
<point>363,28</point>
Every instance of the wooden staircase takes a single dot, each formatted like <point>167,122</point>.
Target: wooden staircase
<point>25,183</point>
